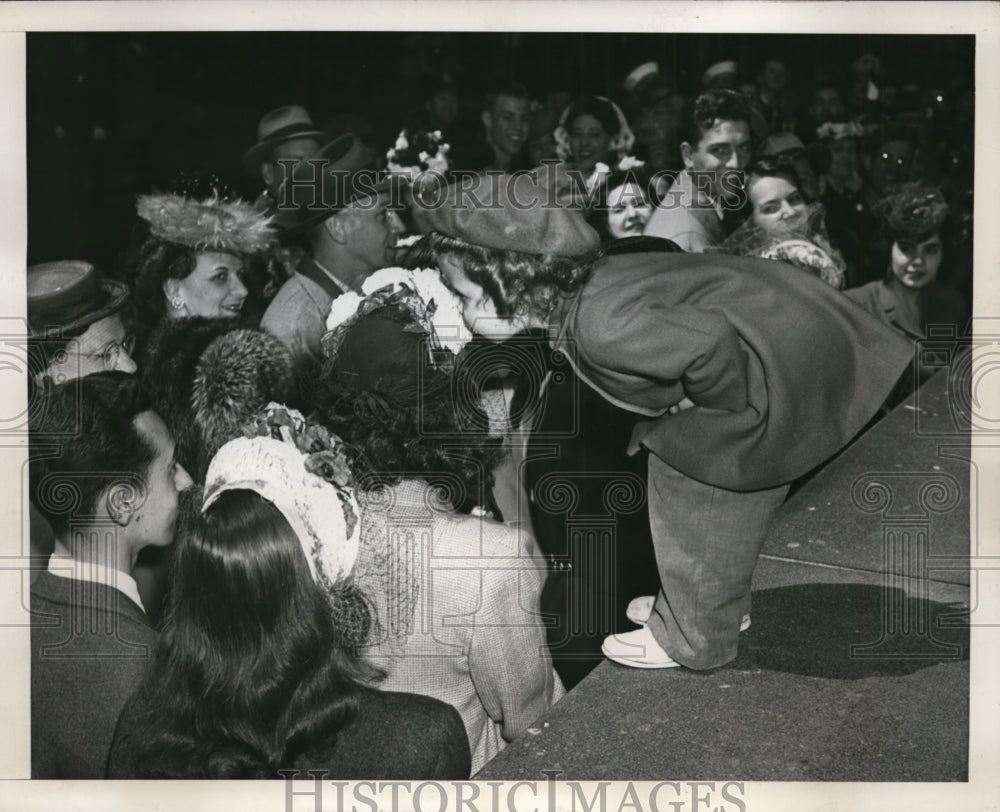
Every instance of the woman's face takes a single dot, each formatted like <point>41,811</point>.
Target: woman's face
<point>777,203</point>
<point>628,210</point>
<point>478,310</point>
<point>589,141</point>
<point>214,289</point>
<point>915,264</point>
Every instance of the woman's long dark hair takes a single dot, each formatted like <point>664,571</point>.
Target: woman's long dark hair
<point>249,672</point>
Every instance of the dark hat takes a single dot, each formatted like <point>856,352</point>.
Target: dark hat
<point>320,187</point>
<point>510,213</point>
<point>396,366</point>
<point>277,127</point>
<point>69,295</point>
<point>916,211</point>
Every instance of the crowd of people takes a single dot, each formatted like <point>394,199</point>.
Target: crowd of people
<point>303,485</point>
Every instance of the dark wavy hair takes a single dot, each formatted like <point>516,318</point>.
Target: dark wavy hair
<point>599,109</point>
<point>598,215</point>
<point>711,107</point>
<point>159,261</point>
<point>405,418</point>
<point>249,672</point>
<point>91,422</point>
<point>515,281</point>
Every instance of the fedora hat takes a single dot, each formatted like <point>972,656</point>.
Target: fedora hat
<point>277,127</point>
<point>67,296</point>
<point>341,174</point>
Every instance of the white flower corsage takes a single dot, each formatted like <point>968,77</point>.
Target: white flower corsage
<point>421,291</point>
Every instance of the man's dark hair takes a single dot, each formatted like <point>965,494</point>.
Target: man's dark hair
<point>83,440</point>
<point>514,90</point>
<point>711,107</point>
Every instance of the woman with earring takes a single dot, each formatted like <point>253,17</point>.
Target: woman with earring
<point>195,261</point>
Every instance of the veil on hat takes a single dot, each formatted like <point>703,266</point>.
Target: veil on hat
<point>804,245</point>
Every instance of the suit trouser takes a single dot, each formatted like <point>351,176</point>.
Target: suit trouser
<point>706,540</point>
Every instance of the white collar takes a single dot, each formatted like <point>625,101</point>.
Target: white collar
<point>98,574</point>
<point>344,288</point>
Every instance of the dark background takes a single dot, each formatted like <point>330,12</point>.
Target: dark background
<point>111,115</point>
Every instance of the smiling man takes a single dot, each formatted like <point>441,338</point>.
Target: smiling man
<point>506,117</point>
<point>717,145</point>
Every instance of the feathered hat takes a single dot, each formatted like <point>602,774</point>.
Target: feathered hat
<point>232,227</point>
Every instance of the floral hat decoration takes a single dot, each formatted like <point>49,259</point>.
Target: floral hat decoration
<point>420,296</point>
<point>915,211</point>
<point>212,224</point>
<point>414,153</point>
<point>300,469</point>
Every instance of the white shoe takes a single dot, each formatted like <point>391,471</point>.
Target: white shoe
<point>639,609</point>
<point>637,649</point>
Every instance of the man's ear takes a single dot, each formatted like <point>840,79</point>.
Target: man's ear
<point>121,500</point>
<point>336,228</point>
<point>487,118</point>
<point>267,173</point>
<point>686,152</point>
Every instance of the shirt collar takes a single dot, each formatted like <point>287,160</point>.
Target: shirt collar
<point>97,574</point>
<point>343,288</point>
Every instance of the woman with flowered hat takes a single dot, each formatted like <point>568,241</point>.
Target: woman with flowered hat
<point>255,671</point>
<point>909,298</point>
<point>194,262</point>
<point>455,595</point>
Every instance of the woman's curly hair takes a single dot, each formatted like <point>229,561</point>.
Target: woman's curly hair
<point>405,418</point>
<point>515,281</point>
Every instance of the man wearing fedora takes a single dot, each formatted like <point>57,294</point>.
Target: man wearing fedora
<point>341,208</point>
<point>109,487</point>
<point>284,135</point>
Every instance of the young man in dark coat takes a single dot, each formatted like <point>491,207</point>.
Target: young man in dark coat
<point>109,488</point>
<point>741,375</point>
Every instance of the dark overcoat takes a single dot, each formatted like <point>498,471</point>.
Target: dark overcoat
<point>783,370</point>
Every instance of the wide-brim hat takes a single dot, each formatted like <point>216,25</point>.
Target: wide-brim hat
<point>67,296</point>
<point>318,188</point>
<point>277,127</point>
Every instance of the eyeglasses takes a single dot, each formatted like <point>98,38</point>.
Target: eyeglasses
<point>111,353</point>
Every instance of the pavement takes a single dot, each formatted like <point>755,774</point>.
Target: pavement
<point>856,667</point>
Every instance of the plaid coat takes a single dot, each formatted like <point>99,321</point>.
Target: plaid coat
<point>456,603</point>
